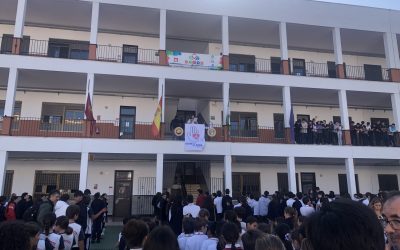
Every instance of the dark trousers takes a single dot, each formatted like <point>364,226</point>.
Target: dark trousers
<point>96,230</point>
<point>87,241</point>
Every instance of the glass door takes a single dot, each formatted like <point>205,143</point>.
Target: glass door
<point>123,193</point>
<point>127,119</point>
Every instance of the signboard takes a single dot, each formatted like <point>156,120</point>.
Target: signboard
<point>177,58</point>
<point>194,137</point>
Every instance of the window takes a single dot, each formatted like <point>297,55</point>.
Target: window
<point>17,108</point>
<point>279,126</point>
<point>381,120</point>
<point>339,119</point>
<point>299,67</point>
<point>245,183</point>
<point>307,182</point>
<point>7,43</point>
<point>283,182</point>
<point>343,184</point>
<point>68,49</point>
<point>388,182</point>
<point>129,54</point>
<point>62,117</point>
<point>243,124</point>
<point>373,72</point>
<point>242,63</point>
<point>332,69</point>
<point>301,117</point>
<point>275,65</point>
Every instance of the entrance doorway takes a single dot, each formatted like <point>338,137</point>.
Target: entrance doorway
<point>183,178</point>
<point>123,193</point>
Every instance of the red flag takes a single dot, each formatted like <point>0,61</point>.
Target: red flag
<point>155,127</point>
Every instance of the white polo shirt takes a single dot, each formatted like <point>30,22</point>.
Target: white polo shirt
<point>218,204</point>
<point>191,209</point>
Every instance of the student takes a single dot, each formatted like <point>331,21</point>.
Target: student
<point>161,238</point>
<point>33,229</point>
<point>230,232</point>
<point>62,228</point>
<point>13,235</point>
<point>48,205</point>
<point>251,223</point>
<point>249,239</point>
<point>188,225</point>
<point>218,205</point>
<point>269,242</point>
<point>199,236</point>
<point>10,213</point>
<point>191,209</point>
<point>345,224</point>
<point>61,205</point>
<point>78,232</point>
<point>48,238</point>
<point>135,233</point>
<point>212,241</point>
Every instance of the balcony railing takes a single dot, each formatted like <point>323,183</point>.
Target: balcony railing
<point>261,134</point>
<point>263,65</point>
<point>317,69</point>
<point>358,73</point>
<point>116,54</point>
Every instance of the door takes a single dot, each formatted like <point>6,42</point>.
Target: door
<point>343,184</point>
<point>123,193</point>
<point>283,182</point>
<point>331,69</point>
<point>388,182</point>
<point>305,117</point>
<point>245,183</point>
<point>127,119</point>
<point>373,72</point>
<point>275,65</point>
<point>299,67</point>
<point>279,127</point>
<point>130,54</point>
<point>307,182</point>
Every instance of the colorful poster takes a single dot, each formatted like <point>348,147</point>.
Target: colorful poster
<point>194,137</point>
<point>177,58</point>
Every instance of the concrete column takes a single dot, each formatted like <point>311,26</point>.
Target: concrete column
<point>396,109</point>
<point>228,172</point>
<point>351,177</point>
<point>83,173</point>
<point>94,26</point>
<point>20,19</point>
<point>3,168</point>
<point>161,94</point>
<point>225,42</point>
<point>284,49</point>
<point>291,168</point>
<point>344,111</point>
<point>287,105</point>
<point>159,172</point>
<point>392,56</point>
<point>89,88</point>
<point>337,45</point>
<point>163,29</point>
<point>11,91</point>
<point>225,97</point>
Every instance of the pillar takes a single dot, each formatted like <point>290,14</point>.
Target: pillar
<point>344,116</point>
<point>161,94</point>
<point>287,109</point>
<point>284,49</point>
<point>396,109</point>
<point>392,56</point>
<point>225,42</point>
<point>291,168</point>
<point>337,47</point>
<point>159,172</point>
<point>226,111</point>
<point>3,168</point>
<point>228,172</point>
<point>351,177</point>
<point>19,26</point>
<point>83,171</point>
<point>94,27</point>
<point>163,37</point>
<point>89,88</point>
<point>10,101</point>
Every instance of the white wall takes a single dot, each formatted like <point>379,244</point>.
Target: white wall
<point>100,173</point>
<point>6,29</point>
<point>326,175</point>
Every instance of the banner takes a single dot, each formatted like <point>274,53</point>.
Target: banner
<point>194,137</point>
<point>177,58</point>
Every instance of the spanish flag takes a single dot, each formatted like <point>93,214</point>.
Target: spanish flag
<point>155,127</point>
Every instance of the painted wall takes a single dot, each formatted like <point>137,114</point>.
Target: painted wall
<point>326,176</point>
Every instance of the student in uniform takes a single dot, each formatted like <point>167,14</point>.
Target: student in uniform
<point>62,228</point>
<point>200,229</point>
<point>49,239</point>
<point>78,232</point>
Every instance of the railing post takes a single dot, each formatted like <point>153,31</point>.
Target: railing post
<point>340,71</point>
<point>225,62</point>
<point>16,45</point>
<point>285,67</point>
<point>87,128</point>
<point>226,132</point>
<point>7,124</point>
<point>92,51</point>
<point>394,75</point>
<point>346,137</point>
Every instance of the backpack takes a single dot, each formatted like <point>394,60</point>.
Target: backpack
<point>31,213</point>
<point>227,203</point>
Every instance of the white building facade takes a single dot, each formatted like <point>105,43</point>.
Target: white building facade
<point>254,64</point>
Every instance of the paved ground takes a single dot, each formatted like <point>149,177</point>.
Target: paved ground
<point>110,238</point>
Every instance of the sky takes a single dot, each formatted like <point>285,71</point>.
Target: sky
<point>387,4</point>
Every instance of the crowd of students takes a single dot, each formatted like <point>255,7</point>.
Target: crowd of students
<point>315,221</point>
<point>52,223</point>
<point>331,133</point>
